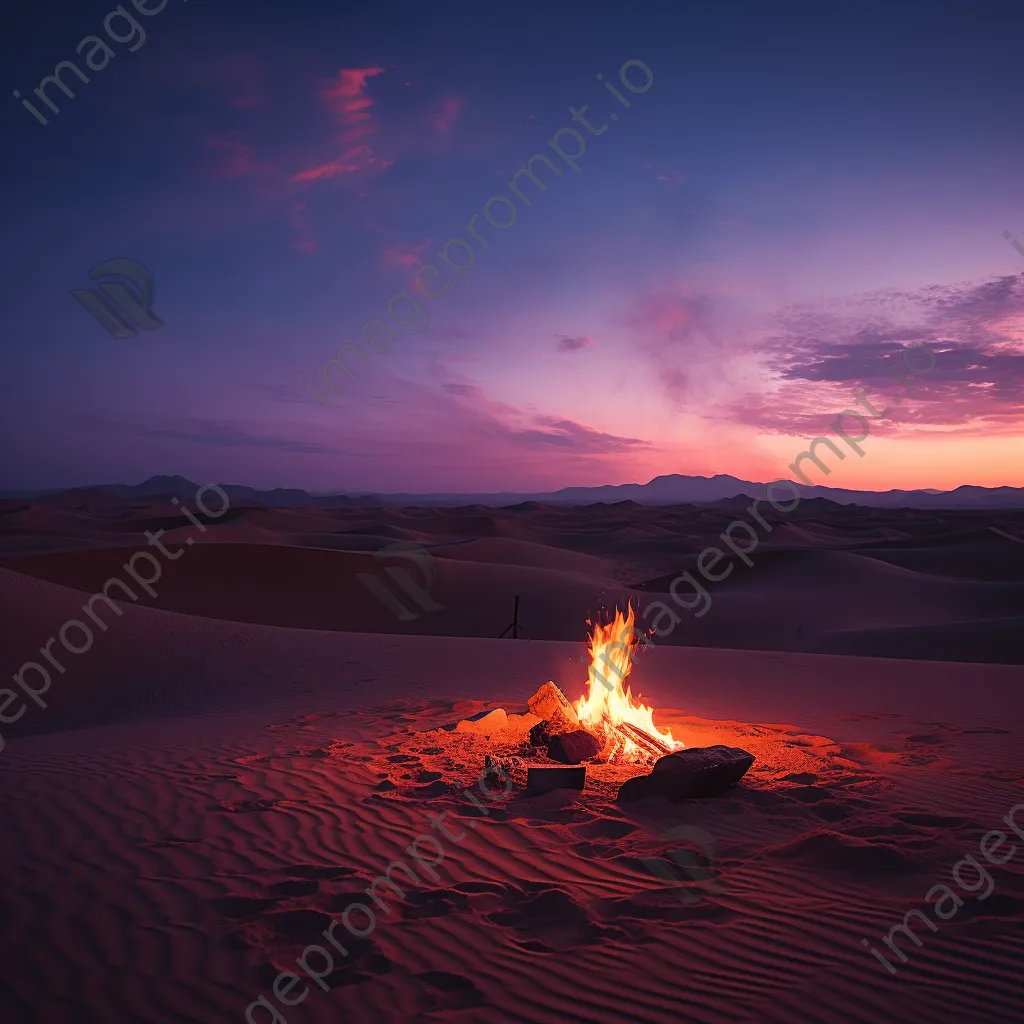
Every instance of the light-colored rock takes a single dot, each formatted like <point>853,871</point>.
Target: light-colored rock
<point>549,704</point>
<point>519,726</point>
<point>485,724</point>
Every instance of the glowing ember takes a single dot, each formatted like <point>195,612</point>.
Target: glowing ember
<point>609,703</point>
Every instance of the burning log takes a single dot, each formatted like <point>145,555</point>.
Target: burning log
<point>610,709</point>
<point>648,743</point>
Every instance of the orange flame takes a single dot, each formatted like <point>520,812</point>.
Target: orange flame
<point>609,702</point>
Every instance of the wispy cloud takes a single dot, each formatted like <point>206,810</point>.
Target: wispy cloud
<point>508,425</point>
<point>446,116</point>
<point>581,439</point>
<point>403,255</point>
<point>819,355</point>
<point>566,343</point>
<point>667,177</point>
<point>463,390</point>
<point>682,338</point>
<point>220,434</point>
<point>346,98</point>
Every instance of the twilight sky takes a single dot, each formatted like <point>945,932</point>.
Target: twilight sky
<point>803,190</point>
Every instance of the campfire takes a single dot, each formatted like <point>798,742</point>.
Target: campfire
<point>609,711</point>
<point>608,725</point>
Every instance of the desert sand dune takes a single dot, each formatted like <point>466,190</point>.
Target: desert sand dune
<point>978,556</point>
<point>837,575</point>
<point>312,588</point>
<point>201,798</point>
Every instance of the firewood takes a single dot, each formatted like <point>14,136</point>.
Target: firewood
<point>644,740</point>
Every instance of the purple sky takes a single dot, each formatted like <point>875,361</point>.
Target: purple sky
<point>798,194</point>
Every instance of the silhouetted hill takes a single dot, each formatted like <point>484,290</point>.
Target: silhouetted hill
<point>720,491</point>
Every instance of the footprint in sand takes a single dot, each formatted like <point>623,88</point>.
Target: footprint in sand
<point>554,917</point>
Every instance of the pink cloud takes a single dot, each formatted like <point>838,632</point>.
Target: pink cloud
<point>450,110</point>
<point>346,98</point>
<point>669,178</point>
<point>687,335</point>
<point>665,312</point>
<point>976,373</point>
<point>329,170</point>
<point>402,255</point>
<point>512,428</point>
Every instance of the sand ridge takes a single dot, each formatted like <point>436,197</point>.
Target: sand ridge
<point>826,579</point>
<point>205,795</point>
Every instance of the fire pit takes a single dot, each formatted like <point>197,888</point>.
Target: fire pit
<point>609,714</point>
<point>609,725</point>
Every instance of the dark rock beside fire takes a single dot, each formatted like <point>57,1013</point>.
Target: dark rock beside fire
<point>540,735</point>
<point>694,772</point>
<point>502,764</point>
<point>573,747</point>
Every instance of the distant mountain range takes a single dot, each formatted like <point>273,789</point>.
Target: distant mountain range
<point>672,489</point>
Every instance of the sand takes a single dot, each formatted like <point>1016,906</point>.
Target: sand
<point>826,579</point>
<point>204,793</point>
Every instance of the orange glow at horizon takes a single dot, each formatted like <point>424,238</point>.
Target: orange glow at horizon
<point>907,462</point>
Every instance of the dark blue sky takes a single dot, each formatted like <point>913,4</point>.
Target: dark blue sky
<point>802,188</point>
